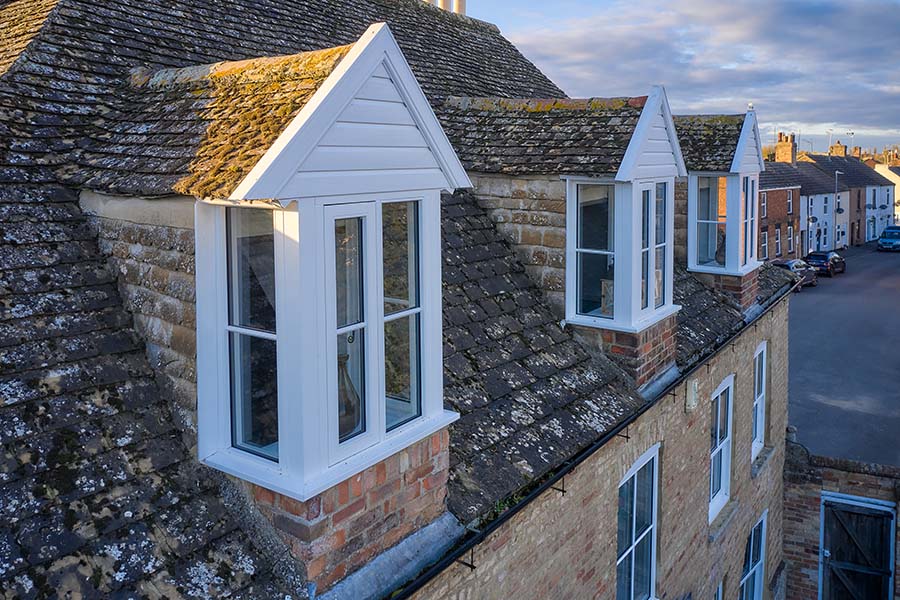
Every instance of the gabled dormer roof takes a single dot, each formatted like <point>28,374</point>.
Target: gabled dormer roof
<point>556,136</point>
<point>721,143</point>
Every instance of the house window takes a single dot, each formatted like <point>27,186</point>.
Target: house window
<point>659,263</point>
<point>825,206</point>
<point>763,209</point>
<point>778,241</point>
<point>251,329</point>
<point>711,219</point>
<point>342,360</point>
<point>636,537</point>
<point>790,201</point>
<point>752,580</point>
<point>759,399</point>
<point>720,447</point>
<point>790,231</point>
<point>595,250</point>
<point>825,235</point>
<point>764,245</point>
<point>748,218</point>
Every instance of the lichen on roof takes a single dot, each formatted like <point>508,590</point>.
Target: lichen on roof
<point>709,142</point>
<point>234,110</point>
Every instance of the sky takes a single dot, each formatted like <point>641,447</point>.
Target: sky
<point>807,66</point>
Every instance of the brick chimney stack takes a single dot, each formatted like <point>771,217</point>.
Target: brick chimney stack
<point>455,6</point>
<point>786,149</point>
<point>838,149</point>
<point>857,152</point>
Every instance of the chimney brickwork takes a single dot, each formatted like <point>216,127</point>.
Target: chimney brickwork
<point>838,149</point>
<point>786,149</point>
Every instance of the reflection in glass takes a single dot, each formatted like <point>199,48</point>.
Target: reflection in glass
<point>251,268</point>
<point>595,217</point>
<point>623,579</point>
<point>254,392</point>
<point>711,202</point>
<point>351,384</point>
<point>642,560</point>
<point>401,370</point>
<point>659,265</point>
<point>626,516</point>
<point>400,245</point>
<point>595,284</point>
<point>645,249</point>
<point>348,253</point>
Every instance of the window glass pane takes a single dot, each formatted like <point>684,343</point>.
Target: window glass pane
<point>348,249</point>
<point>645,219</point>
<point>595,217</point>
<point>596,273</point>
<point>757,543</point>
<point>251,268</point>
<point>401,370</point>
<point>714,427</point>
<point>254,395</point>
<point>623,579</point>
<point>351,384</point>
<point>625,516</point>
<point>755,422</point>
<point>723,415</point>
<point>399,223</point>
<point>660,276</point>
<point>760,372</point>
<point>643,515</point>
<point>642,560</point>
<point>715,473</point>
<point>747,562</point>
<point>660,213</point>
<point>711,244</point>
<point>645,276</point>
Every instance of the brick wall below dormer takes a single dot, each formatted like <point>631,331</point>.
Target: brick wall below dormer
<point>743,289</point>
<point>338,531</point>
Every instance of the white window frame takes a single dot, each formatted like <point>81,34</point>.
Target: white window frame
<point>764,246</point>
<point>778,241</point>
<point>738,216</point>
<point>790,239</point>
<point>790,201</point>
<point>308,461</point>
<point>763,205</point>
<point>760,394</point>
<point>650,455</point>
<point>758,570</point>
<point>720,499</point>
<point>628,313</point>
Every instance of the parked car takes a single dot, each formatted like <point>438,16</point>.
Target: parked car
<point>890,239</point>
<point>801,269</point>
<point>828,263</point>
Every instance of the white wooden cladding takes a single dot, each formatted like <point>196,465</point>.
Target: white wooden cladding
<point>750,158</point>
<point>373,146</point>
<point>657,156</point>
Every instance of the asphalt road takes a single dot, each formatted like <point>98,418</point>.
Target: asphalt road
<point>844,395</point>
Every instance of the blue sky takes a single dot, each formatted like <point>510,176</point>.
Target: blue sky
<point>807,66</point>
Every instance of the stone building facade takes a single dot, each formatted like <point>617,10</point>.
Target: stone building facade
<point>809,479</point>
<point>533,554</point>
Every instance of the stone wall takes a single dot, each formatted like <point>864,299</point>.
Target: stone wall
<point>563,545</point>
<point>806,477</point>
<point>338,531</point>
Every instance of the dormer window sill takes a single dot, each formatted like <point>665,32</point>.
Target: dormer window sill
<point>272,476</point>
<point>740,272</point>
<point>613,325</point>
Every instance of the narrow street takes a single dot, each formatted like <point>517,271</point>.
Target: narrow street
<point>844,395</point>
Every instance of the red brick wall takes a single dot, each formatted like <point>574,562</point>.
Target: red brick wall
<point>777,217</point>
<point>339,530</point>
<point>857,215</point>
<point>743,289</point>
<point>805,478</point>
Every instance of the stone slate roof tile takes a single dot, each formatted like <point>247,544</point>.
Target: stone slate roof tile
<point>529,395</point>
<point>706,319</point>
<point>552,136</point>
<point>100,495</point>
<point>20,21</point>
<point>855,172</point>
<point>709,142</point>
<point>773,283</point>
<point>778,175</point>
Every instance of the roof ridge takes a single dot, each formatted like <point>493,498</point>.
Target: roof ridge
<point>248,70</point>
<point>543,104</point>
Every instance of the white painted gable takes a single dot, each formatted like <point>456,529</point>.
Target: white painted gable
<point>653,150</point>
<point>748,155</point>
<point>368,129</point>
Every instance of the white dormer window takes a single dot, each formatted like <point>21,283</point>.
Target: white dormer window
<point>319,344</point>
<point>619,231</point>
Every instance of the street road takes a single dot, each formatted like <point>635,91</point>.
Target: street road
<point>844,395</point>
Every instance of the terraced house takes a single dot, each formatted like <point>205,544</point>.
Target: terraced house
<point>297,303</point>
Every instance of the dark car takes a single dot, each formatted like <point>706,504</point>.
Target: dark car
<point>828,263</point>
<point>890,239</point>
<point>801,269</point>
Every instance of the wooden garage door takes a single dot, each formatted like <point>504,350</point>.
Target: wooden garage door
<point>856,552</point>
